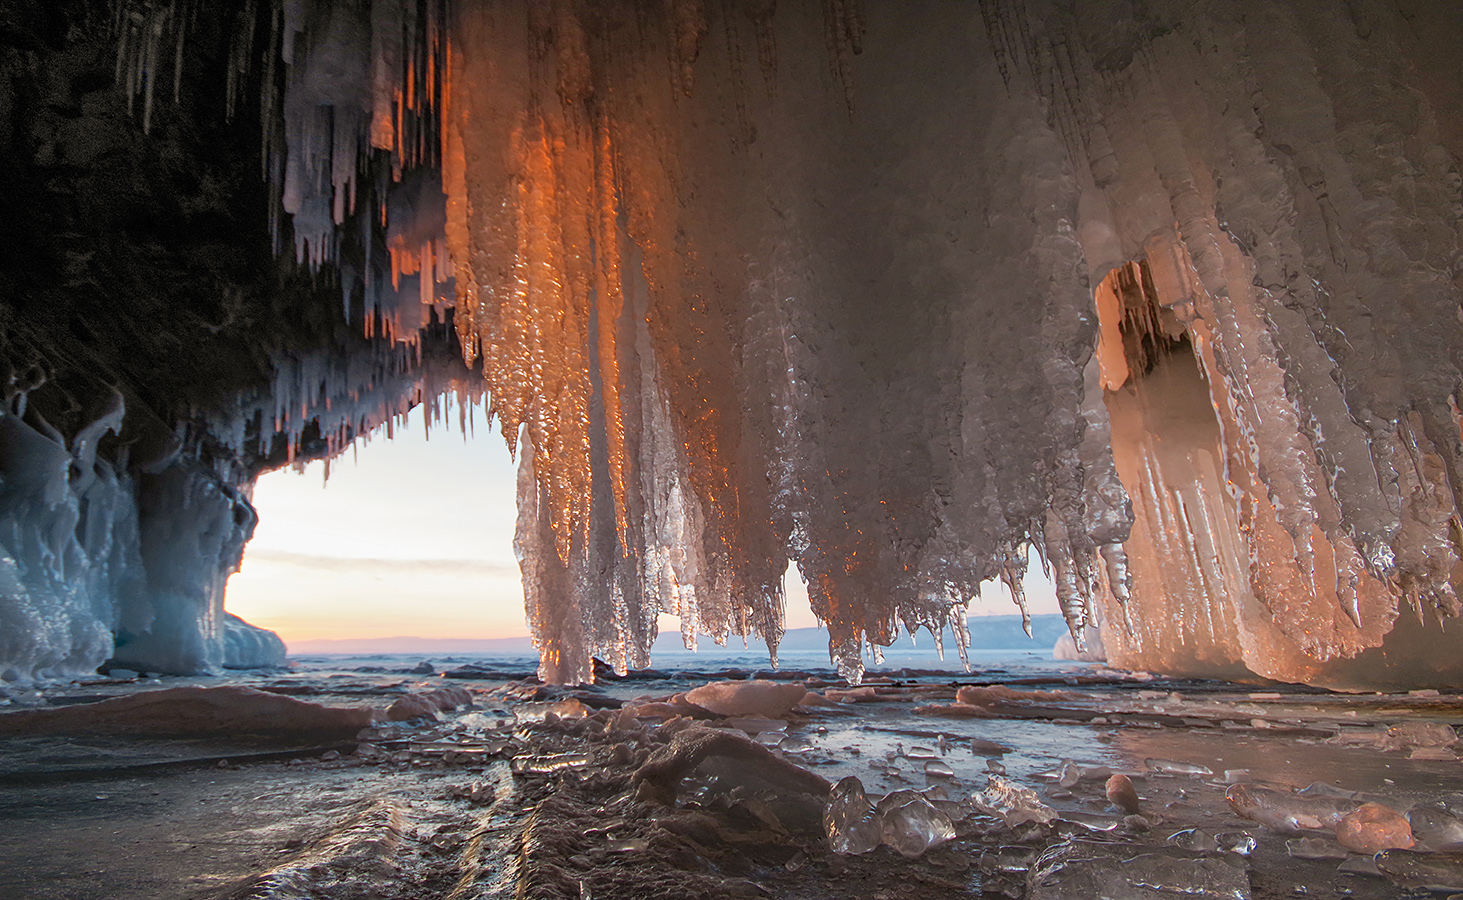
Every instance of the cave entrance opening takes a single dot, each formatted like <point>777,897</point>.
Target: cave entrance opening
<point>406,536</point>
<point>403,543</point>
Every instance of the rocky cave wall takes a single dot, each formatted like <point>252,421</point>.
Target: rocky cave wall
<point>1169,291</point>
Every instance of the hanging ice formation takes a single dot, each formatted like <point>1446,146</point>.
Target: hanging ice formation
<point>752,281</point>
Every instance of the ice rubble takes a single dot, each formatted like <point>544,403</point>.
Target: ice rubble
<point>827,284</point>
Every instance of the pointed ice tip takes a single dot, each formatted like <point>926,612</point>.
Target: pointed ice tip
<point>1353,611</point>
<point>1026,626</point>
<point>1079,639</point>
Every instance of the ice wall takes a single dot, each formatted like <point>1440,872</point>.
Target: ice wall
<point>88,554</point>
<point>1294,207</point>
<point>754,281</point>
<point>69,547</point>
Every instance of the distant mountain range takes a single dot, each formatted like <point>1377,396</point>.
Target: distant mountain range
<point>986,633</point>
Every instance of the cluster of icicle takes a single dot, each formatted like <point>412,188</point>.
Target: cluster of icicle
<point>1282,361</point>
<point>320,402</point>
<point>753,281</point>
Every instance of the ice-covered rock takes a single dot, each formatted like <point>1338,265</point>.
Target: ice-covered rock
<point>1147,265</point>
<point>766,699</point>
<point>251,647</point>
<point>192,710</point>
<point>99,561</point>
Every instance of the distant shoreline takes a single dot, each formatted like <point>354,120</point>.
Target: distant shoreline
<point>986,633</point>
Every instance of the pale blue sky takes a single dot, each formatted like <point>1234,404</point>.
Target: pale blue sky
<point>413,536</point>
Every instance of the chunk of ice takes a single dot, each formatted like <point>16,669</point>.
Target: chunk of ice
<point>848,820</point>
<point>1372,828</point>
<point>1285,812</point>
<point>1083,870</point>
<point>934,768</point>
<point>548,764</point>
<point>1434,828</point>
<point>1012,803</point>
<point>1194,839</point>
<point>910,824</point>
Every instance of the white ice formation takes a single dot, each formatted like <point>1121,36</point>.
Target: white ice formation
<point>1169,291</point>
<point>93,553</point>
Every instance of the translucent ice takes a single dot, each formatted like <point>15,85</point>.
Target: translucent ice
<point>904,820</point>
<point>1011,802</point>
<point>1194,839</point>
<point>1285,812</point>
<point>1176,767</point>
<point>848,820</point>
<point>1435,828</point>
<point>1080,870</point>
<point>1431,871</point>
<point>1314,848</point>
<point>546,765</point>
<point>934,768</point>
<point>910,824</point>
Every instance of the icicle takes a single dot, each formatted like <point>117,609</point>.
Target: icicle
<point>1013,575</point>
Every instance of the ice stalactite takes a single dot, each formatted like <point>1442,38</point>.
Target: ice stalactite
<point>1281,203</point>
<point>949,284</point>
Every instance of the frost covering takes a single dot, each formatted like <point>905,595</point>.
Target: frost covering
<point>755,281</point>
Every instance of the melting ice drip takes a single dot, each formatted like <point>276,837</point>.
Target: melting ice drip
<point>819,284</point>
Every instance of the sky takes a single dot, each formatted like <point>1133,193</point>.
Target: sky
<point>413,536</point>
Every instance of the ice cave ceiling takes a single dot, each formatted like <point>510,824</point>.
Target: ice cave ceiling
<point>1169,291</point>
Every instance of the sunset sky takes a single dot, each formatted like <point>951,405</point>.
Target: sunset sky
<point>414,537</point>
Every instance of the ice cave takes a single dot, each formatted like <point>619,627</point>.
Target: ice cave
<point>1168,291</point>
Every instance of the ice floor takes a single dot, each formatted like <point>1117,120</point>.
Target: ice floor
<point>630,790</point>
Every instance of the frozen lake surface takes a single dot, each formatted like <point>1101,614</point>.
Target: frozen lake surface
<point>993,784</point>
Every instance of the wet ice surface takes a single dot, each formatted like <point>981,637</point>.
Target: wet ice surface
<point>1101,784</point>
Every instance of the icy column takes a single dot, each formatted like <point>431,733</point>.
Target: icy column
<point>69,564</point>
<point>193,530</point>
